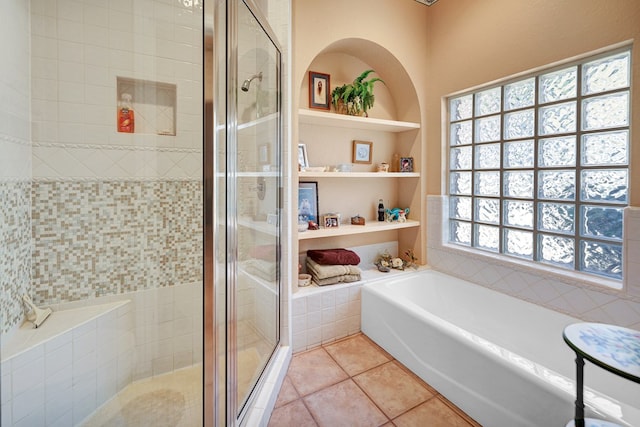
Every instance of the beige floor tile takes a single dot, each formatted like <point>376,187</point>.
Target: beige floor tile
<point>357,354</point>
<point>314,370</point>
<point>432,413</point>
<point>344,404</point>
<point>293,414</point>
<point>392,388</point>
<point>287,393</point>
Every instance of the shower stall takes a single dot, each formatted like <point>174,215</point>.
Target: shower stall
<point>157,244</point>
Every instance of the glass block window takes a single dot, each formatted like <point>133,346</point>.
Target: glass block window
<point>538,167</point>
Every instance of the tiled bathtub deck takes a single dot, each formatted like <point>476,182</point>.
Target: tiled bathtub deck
<point>353,382</point>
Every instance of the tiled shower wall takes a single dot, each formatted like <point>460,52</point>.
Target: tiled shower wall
<point>93,239</point>
<point>15,163</point>
<point>566,293</point>
<point>113,213</point>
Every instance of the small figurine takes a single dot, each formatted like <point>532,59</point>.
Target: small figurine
<point>402,217</point>
<point>313,226</point>
<point>394,214</point>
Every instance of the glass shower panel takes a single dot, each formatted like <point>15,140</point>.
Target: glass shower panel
<point>257,192</point>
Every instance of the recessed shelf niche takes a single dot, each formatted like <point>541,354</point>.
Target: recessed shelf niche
<point>154,105</point>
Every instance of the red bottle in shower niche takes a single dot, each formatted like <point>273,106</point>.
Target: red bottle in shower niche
<point>126,119</point>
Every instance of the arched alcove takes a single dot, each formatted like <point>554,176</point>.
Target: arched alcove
<point>345,59</point>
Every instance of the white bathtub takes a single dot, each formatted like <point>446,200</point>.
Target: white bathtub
<point>500,359</point>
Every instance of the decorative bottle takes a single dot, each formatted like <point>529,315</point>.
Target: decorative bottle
<point>380,210</point>
<point>126,119</point>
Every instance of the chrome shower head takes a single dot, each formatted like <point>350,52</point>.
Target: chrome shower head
<point>247,83</point>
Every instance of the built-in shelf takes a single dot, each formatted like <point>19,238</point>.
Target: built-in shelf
<point>348,229</point>
<point>304,174</point>
<point>353,122</point>
<point>154,104</point>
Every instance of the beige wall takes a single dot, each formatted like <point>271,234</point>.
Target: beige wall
<point>472,42</point>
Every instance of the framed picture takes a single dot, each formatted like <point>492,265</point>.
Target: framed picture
<point>303,160</point>
<point>308,200</point>
<point>319,95</point>
<point>362,152</point>
<point>330,221</point>
<point>406,164</point>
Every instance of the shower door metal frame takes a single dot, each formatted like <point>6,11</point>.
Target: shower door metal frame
<point>220,130</point>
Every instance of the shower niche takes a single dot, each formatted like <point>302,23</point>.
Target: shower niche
<point>154,104</point>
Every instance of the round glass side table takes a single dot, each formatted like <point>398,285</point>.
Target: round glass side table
<point>613,348</point>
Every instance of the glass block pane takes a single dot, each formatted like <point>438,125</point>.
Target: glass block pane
<point>488,129</point>
<point>610,148</point>
<point>518,214</point>
<point>519,94</point>
<point>556,250</point>
<point>488,156</point>
<point>520,124</point>
<point>487,210</point>
<point>461,108</point>
<point>518,243</point>
<point>605,74</point>
<point>558,85</point>
<point>601,258</point>
<point>460,183</point>
<point>460,133</point>
<point>487,184</point>
<point>600,221</point>
<point>605,112</point>
<point>488,102</point>
<point>460,208</point>
<point>487,237</point>
<point>460,158</point>
<point>518,184</point>
<point>556,217</point>
<point>460,232</point>
<point>557,185</point>
<point>518,154</point>
<point>558,118</point>
<point>608,185</point>
<point>554,152</point>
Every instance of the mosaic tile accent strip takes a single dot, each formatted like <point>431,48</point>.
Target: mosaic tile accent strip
<point>92,239</point>
<point>15,251</point>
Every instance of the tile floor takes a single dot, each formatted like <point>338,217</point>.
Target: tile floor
<point>353,382</point>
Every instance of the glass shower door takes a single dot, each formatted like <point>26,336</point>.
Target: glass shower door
<point>256,199</point>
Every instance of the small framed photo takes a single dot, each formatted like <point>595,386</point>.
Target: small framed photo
<point>362,152</point>
<point>319,91</point>
<point>308,200</point>
<point>406,164</point>
<point>331,221</point>
<point>303,160</point>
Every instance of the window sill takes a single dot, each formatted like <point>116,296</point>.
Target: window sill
<point>539,269</point>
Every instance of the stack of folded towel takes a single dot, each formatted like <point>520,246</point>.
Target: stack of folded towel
<point>331,266</point>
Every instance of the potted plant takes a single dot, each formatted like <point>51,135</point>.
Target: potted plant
<point>357,97</point>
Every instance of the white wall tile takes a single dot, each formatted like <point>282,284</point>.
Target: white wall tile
<point>29,404</point>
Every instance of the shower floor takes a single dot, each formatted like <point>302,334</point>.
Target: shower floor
<point>173,399</point>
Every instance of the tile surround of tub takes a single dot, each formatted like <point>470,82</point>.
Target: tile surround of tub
<point>567,295</point>
<point>323,314</point>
